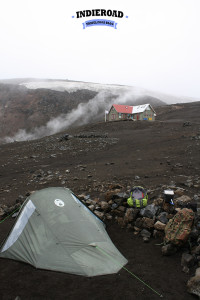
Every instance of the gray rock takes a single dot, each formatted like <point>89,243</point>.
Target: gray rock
<point>196,198</point>
<point>196,251</point>
<point>138,222</point>
<point>149,211</point>
<point>15,215</point>
<point>162,217</point>
<point>194,234</point>
<point>145,233</point>
<point>187,260</point>
<point>114,206</point>
<point>118,201</point>
<point>121,195</point>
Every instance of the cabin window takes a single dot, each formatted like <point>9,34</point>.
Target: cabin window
<point>120,115</point>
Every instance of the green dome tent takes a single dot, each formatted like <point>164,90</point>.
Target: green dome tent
<point>56,231</point>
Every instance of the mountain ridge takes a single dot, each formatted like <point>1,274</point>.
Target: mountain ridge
<point>32,108</point>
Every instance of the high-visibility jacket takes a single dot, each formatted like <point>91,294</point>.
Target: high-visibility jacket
<point>138,202</point>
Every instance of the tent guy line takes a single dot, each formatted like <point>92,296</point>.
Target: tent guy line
<point>135,276</point>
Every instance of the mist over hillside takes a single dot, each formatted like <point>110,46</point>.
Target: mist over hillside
<point>31,109</point>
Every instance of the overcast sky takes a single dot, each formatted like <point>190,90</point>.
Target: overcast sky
<point>157,47</point>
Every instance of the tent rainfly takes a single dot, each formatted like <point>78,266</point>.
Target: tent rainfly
<point>56,231</point>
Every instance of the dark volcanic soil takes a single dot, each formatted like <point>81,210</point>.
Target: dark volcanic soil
<point>151,154</point>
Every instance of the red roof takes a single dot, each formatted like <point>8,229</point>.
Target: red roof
<point>124,109</point>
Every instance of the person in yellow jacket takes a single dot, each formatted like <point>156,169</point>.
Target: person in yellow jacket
<point>138,197</point>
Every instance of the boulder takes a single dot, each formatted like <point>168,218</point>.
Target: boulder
<point>181,201</point>
<point>138,222</point>
<point>147,223</point>
<point>159,226</point>
<point>99,214</point>
<point>120,195</point>
<point>179,192</point>
<point>91,207</point>
<point>196,250</point>
<point>114,206</point>
<point>81,197</point>
<point>187,260</point>
<point>196,197</point>
<point>149,211</point>
<point>104,205</point>
<point>131,214</point>
<point>194,234</point>
<point>162,217</point>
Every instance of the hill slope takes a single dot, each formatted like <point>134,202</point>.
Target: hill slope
<point>155,155</point>
<point>33,108</point>
<point>32,113</point>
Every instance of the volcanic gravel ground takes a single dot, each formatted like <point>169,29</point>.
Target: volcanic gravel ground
<point>129,153</point>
